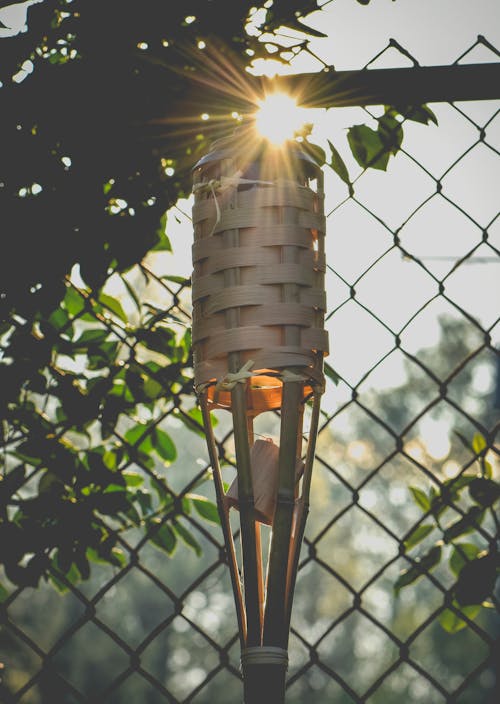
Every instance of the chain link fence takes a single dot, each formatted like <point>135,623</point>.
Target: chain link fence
<point>413,299</point>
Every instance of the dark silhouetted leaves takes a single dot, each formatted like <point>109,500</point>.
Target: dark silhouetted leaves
<point>187,536</point>
<point>462,554</point>
<point>367,147</point>
<point>477,580</point>
<point>423,565</point>
<point>484,492</point>
<point>337,164</point>
<point>163,537</point>
<point>467,524</point>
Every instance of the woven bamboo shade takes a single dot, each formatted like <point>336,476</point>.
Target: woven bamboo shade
<point>258,272</point>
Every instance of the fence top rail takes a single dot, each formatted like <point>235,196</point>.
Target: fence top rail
<point>394,86</point>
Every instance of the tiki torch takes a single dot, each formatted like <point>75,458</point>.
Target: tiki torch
<point>258,344</point>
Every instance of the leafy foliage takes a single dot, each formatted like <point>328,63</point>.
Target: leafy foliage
<point>372,148</point>
<point>93,158</point>
<point>100,127</point>
<point>457,509</point>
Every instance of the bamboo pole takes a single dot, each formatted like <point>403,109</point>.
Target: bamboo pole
<point>303,508</point>
<point>247,520</point>
<point>258,541</point>
<point>250,557</point>
<point>225,523</point>
<point>274,621</point>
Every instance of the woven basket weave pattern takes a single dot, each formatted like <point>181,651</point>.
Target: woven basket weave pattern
<point>270,238</point>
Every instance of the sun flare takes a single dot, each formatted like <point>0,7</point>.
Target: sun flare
<point>279,117</point>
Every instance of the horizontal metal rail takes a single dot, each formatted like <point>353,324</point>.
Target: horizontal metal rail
<point>390,86</point>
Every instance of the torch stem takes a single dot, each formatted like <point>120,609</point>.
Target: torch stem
<point>275,628</point>
<point>247,516</point>
<point>303,506</point>
<point>224,519</point>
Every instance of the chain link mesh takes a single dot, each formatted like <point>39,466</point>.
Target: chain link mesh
<point>411,281</point>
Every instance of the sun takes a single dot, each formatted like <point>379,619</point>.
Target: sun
<point>279,117</point>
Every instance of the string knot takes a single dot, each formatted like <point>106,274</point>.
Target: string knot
<point>230,380</point>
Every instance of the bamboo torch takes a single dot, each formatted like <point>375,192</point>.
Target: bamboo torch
<point>258,345</point>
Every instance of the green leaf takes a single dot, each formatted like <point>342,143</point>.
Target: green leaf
<point>450,493</point>
<point>194,420</point>
<point>133,514</point>
<point>417,113</point>
<point>163,445</point>
<point>73,301</point>
<point>3,593</point>
<point>153,389</point>
<point>314,151</point>
<point>145,501</point>
<point>467,524</point>
<point>187,537</point>
<point>70,572</point>
<point>59,319</point>
<point>163,243</point>
<point>112,488</point>
<point>338,165</point>
<point>456,484</point>
<point>484,492</point>
<point>94,556</point>
<point>206,509</point>
<point>367,147</point>
<point>160,488</point>
<point>478,443</point>
<point>133,478</point>
<point>331,374</point>
<point>175,279</point>
<point>139,437</point>
<point>486,468</point>
<point>417,535</point>
<point>462,554</point>
<point>113,305</point>
<point>424,565</point>
<point>420,498</point>
<point>164,538</point>
<point>110,459</point>
<point>117,557</point>
<point>451,621</point>
<point>93,336</point>
<point>197,415</point>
